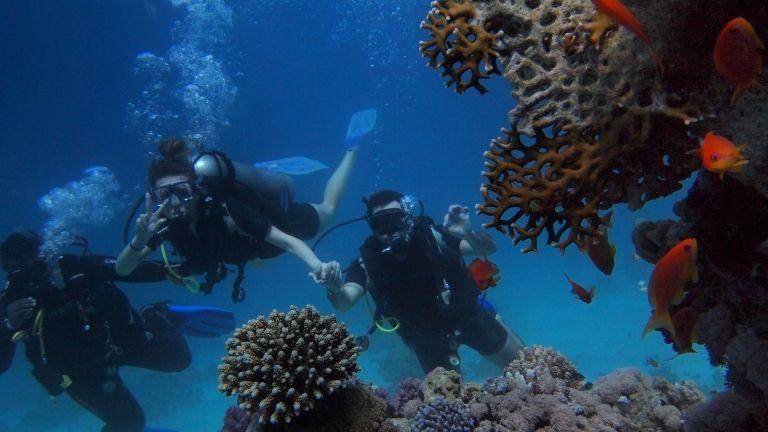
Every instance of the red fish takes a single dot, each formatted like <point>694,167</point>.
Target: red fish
<point>484,273</point>
<point>668,280</point>
<point>719,154</point>
<point>685,321</point>
<point>616,11</point>
<point>738,56</point>
<point>581,293</point>
<point>601,251</point>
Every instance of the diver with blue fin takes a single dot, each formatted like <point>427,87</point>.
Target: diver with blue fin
<point>415,272</point>
<point>78,328</point>
<point>217,212</point>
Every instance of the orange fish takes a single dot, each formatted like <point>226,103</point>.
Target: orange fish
<point>580,292</point>
<point>652,362</point>
<point>719,154</point>
<point>484,273</point>
<point>616,11</point>
<point>668,280</point>
<point>601,251</point>
<point>684,321</point>
<point>738,56</point>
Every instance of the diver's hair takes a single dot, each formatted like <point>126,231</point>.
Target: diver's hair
<point>174,161</point>
<point>380,198</point>
<point>22,244</point>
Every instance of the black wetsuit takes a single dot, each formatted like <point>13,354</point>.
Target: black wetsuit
<point>232,230</point>
<point>435,318</point>
<point>89,330</point>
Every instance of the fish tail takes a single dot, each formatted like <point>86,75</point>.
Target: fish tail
<point>660,320</point>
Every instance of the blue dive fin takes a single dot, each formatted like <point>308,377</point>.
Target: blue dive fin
<point>294,166</point>
<point>202,321</point>
<point>360,124</point>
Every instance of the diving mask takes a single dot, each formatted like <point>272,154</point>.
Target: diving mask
<point>178,193</point>
<point>389,221</point>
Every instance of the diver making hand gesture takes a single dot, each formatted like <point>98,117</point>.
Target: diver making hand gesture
<point>217,212</point>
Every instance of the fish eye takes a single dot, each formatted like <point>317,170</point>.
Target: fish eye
<point>687,247</point>
<point>713,158</point>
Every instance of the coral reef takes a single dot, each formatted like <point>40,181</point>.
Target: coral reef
<point>355,408</point>
<point>443,415</point>
<point>727,412</point>
<point>236,420</point>
<point>282,365</point>
<point>458,46</point>
<point>542,391</point>
<point>730,221</point>
<point>408,389</point>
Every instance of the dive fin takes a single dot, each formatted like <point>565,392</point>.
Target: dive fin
<point>293,166</point>
<point>360,124</point>
<point>202,321</point>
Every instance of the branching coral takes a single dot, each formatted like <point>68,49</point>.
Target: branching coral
<point>563,185</point>
<point>355,408</point>
<point>281,365</point>
<point>465,51</point>
<point>236,420</point>
<point>443,415</point>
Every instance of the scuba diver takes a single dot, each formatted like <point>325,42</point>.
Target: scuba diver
<point>78,328</point>
<point>215,211</point>
<point>422,288</point>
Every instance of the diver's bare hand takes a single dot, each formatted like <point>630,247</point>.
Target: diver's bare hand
<point>456,221</point>
<point>149,223</point>
<point>21,311</point>
<point>326,272</point>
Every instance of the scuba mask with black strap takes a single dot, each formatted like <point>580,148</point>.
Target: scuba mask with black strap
<point>396,225</point>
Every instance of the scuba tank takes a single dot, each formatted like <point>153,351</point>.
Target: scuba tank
<point>214,166</point>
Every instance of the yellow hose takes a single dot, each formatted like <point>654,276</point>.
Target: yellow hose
<point>191,284</point>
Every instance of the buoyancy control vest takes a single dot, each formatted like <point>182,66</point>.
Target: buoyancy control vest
<point>427,289</point>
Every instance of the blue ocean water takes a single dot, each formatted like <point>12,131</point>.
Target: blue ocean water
<point>91,84</point>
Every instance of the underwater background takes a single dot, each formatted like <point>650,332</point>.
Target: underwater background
<point>89,84</point>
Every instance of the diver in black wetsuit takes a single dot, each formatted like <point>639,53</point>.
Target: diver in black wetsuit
<point>422,288</point>
<point>78,328</point>
<point>215,212</point>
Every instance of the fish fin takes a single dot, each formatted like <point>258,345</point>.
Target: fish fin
<point>739,165</point>
<point>613,250</point>
<point>694,273</point>
<point>660,320</point>
<point>721,174</point>
<point>695,152</point>
<point>592,292</point>
<point>741,88</point>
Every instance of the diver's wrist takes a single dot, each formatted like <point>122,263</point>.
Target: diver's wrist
<point>136,248</point>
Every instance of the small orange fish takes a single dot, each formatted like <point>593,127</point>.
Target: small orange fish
<point>484,273</point>
<point>616,11</point>
<point>685,321</point>
<point>738,56</point>
<point>580,292</point>
<point>601,251</point>
<point>719,154</point>
<point>652,362</point>
<point>668,280</point>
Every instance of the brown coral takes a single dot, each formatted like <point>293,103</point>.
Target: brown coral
<point>281,365</point>
<point>465,51</point>
<point>565,184</point>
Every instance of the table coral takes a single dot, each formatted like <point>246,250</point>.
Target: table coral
<point>282,365</point>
